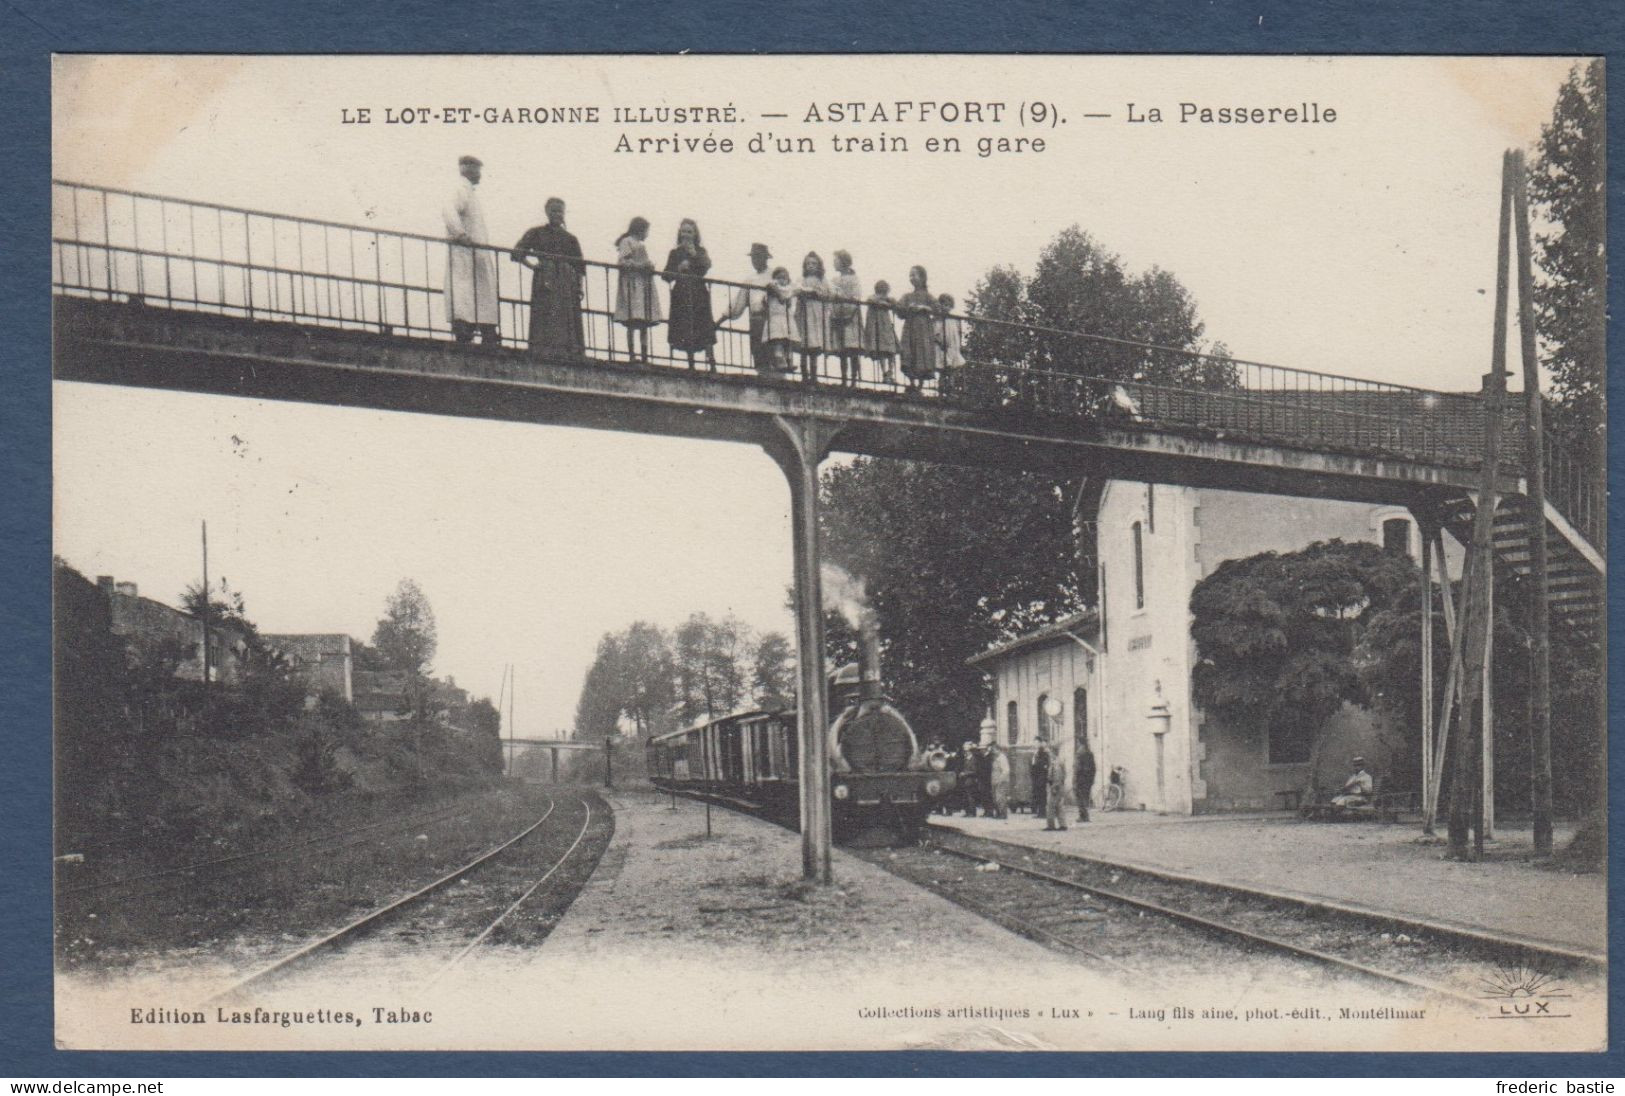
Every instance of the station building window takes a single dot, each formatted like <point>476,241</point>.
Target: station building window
<point>1080,713</point>
<point>1046,726</point>
<point>1139,566</point>
<point>1012,717</point>
<point>1396,536</point>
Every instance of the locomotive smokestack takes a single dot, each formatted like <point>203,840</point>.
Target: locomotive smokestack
<point>869,657</point>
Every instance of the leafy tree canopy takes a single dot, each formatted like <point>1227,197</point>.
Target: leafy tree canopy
<point>1568,187</point>
<point>1277,634</point>
<point>405,637</point>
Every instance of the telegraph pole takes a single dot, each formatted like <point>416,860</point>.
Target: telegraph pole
<point>1472,630</point>
<point>1540,625</point>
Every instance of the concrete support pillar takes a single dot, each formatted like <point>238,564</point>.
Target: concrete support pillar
<point>799,445</point>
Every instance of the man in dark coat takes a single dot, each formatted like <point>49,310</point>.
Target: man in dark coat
<point>1083,777</point>
<point>970,778</point>
<point>984,781</point>
<point>554,256</point>
<point>1040,779</point>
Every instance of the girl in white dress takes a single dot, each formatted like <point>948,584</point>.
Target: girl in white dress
<point>637,305</point>
<point>846,318</point>
<point>814,315</point>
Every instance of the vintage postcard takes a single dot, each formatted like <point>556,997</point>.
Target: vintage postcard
<point>829,553</point>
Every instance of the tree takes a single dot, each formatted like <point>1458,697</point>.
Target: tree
<point>485,725</point>
<point>1088,315</point>
<point>631,677</point>
<point>1568,187</point>
<point>1276,634</point>
<point>406,636</point>
<point>773,676</point>
<point>598,708</point>
<point>711,660</point>
<point>956,559</point>
<point>645,671</point>
<point>224,607</point>
<point>953,560</point>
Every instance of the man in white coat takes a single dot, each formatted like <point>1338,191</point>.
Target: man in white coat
<point>471,268</point>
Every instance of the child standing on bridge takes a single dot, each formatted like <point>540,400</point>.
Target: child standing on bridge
<point>813,315</point>
<point>950,342</point>
<point>880,332</point>
<point>919,346</point>
<point>637,305</point>
<point>846,318</point>
<point>780,333</point>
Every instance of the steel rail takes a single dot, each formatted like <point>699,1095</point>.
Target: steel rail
<point>1023,927</point>
<point>586,822</point>
<point>377,916</point>
<point>1460,934</point>
<point>1268,943</point>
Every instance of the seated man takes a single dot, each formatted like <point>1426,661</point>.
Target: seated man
<point>1357,789</point>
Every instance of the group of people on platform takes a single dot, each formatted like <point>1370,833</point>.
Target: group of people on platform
<point>983,782</point>
<point>793,323</point>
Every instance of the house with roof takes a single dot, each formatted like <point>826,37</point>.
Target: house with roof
<point>1046,686</point>
<point>148,626</point>
<point>380,695</point>
<point>323,660</point>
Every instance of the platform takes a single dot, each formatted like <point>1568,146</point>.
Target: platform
<point>1371,866</point>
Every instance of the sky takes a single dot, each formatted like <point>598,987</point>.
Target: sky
<point>1364,246</point>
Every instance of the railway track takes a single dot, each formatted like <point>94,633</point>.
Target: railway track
<point>407,925</point>
<point>1148,923</point>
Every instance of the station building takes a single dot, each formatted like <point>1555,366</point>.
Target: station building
<point>1122,676</point>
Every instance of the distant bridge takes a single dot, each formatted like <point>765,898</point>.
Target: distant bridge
<point>160,292</point>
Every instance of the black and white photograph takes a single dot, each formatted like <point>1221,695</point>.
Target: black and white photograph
<point>841,553</point>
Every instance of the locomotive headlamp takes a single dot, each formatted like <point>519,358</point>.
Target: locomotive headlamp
<point>933,787</point>
<point>938,760</point>
<point>842,791</point>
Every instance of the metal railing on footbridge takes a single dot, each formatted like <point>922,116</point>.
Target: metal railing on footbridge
<point>179,254</point>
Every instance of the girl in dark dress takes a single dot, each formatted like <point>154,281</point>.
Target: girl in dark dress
<point>919,345</point>
<point>692,328</point>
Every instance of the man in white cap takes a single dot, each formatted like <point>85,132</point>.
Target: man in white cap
<point>755,301</point>
<point>1357,789</point>
<point>471,267</point>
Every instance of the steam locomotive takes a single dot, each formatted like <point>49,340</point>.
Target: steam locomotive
<point>882,783</point>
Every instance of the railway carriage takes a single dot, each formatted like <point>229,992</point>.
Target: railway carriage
<point>882,782</point>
